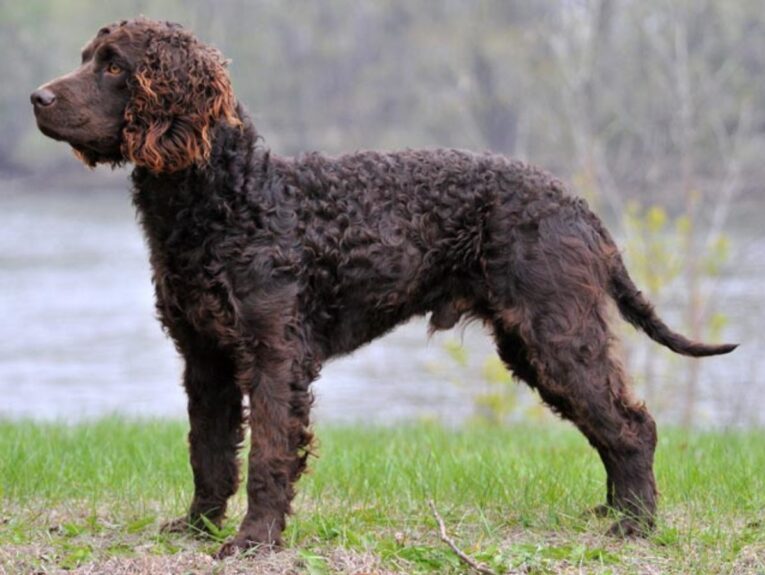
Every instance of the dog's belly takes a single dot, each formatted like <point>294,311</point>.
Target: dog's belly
<point>363,306</point>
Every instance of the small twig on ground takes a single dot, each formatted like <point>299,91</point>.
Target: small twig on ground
<point>464,557</point>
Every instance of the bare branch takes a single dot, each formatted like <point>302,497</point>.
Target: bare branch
<point>464,557</point>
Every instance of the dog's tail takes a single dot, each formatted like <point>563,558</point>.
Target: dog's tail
<point>637,310</point>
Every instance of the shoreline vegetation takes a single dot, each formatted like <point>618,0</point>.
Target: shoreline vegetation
<point>89,498</point>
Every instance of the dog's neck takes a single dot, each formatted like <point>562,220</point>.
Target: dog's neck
<point>237,167</point>
<point>235,153</point>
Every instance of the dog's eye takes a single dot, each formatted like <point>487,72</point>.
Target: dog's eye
<point>114,69</point>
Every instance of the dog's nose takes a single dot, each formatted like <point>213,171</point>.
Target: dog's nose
<point>42,98</point>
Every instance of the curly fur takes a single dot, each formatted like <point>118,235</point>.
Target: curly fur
<point>266,267</point>
<point>180,90</point>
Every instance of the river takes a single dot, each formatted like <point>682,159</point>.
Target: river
<point>79,339</point>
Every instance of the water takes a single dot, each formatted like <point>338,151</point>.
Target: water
<point>78,336</point>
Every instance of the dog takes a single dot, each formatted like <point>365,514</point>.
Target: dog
<point>266,266</point>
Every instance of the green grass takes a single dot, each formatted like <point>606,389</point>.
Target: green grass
<point>92,496</point>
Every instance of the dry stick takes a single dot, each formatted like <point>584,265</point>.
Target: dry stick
<point>464,557</point>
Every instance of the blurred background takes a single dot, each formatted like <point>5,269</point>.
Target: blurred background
<point>654,110</point>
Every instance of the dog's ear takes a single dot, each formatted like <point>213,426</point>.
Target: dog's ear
<point>180,90</point>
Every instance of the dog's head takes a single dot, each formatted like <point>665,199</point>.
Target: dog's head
<point>146,92</point>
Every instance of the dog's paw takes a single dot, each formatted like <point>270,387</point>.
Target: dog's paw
<point>253,538</point>
<point>599,511</point>
<point>240,544</point>
<point>628,527</point>
<point>187,524</point>
<point>179,525</point>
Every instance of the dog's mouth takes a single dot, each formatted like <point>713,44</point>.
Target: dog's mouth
<point>58,131</point>
<point>88,150</point>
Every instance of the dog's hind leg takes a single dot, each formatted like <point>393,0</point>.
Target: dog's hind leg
<point>576,375</point>
<point>512,350</point>
<point>216,419</point>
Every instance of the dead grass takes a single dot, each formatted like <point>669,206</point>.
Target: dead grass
<point>32,560</point>
<point>71,540</point>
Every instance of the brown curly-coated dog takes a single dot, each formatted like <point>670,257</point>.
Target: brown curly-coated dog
<point>265,267</point>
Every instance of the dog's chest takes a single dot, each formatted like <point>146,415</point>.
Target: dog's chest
<point>193,290</point>
<point>189,273</point>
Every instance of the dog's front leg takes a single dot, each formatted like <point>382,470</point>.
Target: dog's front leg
<point>279,406</point>
<point>216,418</point>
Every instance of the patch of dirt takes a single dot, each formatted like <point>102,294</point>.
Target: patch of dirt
<point>31,560</point>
